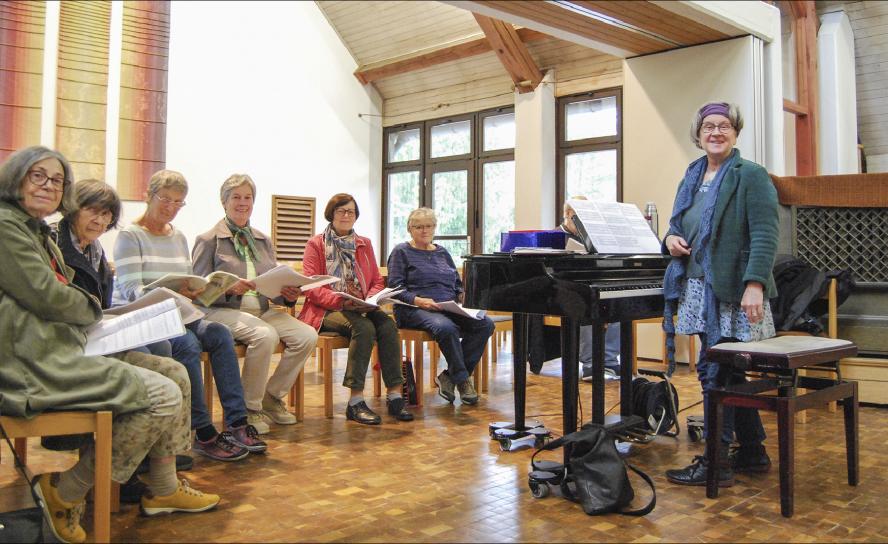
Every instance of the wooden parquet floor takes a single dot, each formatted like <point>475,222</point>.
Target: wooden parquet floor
<point>441,479</point>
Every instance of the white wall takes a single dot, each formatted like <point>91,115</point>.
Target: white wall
<point>266,88</point>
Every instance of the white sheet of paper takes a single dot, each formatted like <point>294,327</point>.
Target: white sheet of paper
<point>458,309</point>
<point>271,283</point>
<point>187,309</point>
<point>616,227</point>
<point>148,325</point>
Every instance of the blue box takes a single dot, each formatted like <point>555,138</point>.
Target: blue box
<point>555,239</point>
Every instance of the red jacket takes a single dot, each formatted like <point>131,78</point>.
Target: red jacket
<point>320,300</point>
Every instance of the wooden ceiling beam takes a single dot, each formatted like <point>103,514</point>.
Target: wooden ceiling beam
<point>655,20</point>
<point>512,53</point>
<point>372,72</point>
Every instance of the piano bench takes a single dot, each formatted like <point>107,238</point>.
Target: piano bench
<point>780,359</point>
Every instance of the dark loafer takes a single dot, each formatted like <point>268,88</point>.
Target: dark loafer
<point>695,474</point>
<point>362,413</point>
<point>397,409</point>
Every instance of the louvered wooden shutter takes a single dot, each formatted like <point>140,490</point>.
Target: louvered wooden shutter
<point>292,224</point>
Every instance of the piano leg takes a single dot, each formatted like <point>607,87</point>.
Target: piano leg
<point>519,366</point>
<point>627,349</point>
<point>598,372</point>
<point>570,361</point>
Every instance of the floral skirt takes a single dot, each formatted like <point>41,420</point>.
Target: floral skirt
<point>732,319</point>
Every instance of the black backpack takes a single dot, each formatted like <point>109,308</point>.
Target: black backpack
<point>596,474</point>
<point>650,401</point>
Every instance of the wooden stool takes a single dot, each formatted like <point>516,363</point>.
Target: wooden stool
<point>781,358</point>
<point>74,422</point>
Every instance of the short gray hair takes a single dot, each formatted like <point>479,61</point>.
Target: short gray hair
<point>166,179</point>
<point>233,182</point>
<point>16,168</point>
<point>92,193</point>
<point>421,213</point>
<point>734,117</point>
<point>568,206</point>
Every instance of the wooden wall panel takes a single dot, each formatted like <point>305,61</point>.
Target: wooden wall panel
<point>21,74</point>
<point>143,95</point>
<point>81,98</point>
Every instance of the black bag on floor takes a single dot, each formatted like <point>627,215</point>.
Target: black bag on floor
<point>408,389</point>
<point>596,474</point>
<point>24,525</point>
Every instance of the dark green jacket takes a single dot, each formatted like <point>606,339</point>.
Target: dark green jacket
<point>745,231</point>
<point>43,325</point>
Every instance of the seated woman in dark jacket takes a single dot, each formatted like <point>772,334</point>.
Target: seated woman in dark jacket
<point>427,273</point>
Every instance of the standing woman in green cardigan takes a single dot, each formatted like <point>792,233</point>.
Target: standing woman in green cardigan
<point>723,239</point>
<point>43,323</point>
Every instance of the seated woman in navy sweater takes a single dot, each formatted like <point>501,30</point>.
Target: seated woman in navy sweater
<point>427,274</point>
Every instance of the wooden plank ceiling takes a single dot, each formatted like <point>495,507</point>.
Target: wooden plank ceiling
<point>405,47</point>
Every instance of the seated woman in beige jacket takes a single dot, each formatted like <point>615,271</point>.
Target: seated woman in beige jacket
<point>234,246</point>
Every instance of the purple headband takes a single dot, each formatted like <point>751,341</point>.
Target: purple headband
<point>714,108</point>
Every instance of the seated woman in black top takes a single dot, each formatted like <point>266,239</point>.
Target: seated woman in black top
<point>427,273</point>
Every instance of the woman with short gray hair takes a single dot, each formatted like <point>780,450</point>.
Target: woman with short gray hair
<point>234,246</point>
<point>145,251</point>
<point>428,276</point>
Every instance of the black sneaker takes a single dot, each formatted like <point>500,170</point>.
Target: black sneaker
<point>362,413</point>
<point>397,409</point>
<point>695,474</point>
<point>587,373</point>
<point>220,448</point>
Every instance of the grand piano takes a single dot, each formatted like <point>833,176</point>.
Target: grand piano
<point>583,290</point>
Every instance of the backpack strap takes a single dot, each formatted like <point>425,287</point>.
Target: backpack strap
<point>648,508</point>
<point>552,445</point>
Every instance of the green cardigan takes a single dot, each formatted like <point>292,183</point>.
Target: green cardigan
<point>43,325</point>
<point>745,231</point>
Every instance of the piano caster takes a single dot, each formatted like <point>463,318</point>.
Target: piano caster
<point>695,428</point>
<point>547,473</point>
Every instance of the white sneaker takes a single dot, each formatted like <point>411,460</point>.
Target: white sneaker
<point>275,410</point>
<point>610,375</point>
<point>257,420</point>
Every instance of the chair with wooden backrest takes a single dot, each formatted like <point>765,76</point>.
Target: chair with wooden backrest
<point>832,331</point>
<point>66,423</point>
<point>692,344</point>
<point>297,392</point>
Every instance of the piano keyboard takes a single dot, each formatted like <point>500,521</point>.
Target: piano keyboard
<point>623,292</point>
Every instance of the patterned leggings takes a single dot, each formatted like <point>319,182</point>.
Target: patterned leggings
<point>160,430</point>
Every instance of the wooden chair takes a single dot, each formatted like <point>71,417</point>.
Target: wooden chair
<point>692,345</point>
<point>74,422</point>
<point>327,342</point>
<point>503,324</point>
<point>297,391</point>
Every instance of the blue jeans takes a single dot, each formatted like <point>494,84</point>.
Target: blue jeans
<point>611,346</point>
<point>745,422</point>
<point>462,355</point>
<point>216,340</point>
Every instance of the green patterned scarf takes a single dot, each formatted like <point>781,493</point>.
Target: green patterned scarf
<point>244,243</point>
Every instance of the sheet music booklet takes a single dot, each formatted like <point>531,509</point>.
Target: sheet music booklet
<point>613,228</point>
<point>147,325</point>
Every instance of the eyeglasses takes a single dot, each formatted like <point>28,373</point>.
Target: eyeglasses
<point>423,227</point>
<point>709,128</point>
<point>170,201</point>
<point>344,212</point>
<point>40,179</point>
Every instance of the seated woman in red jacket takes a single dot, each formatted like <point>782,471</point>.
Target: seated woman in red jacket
<point>340,252</point>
